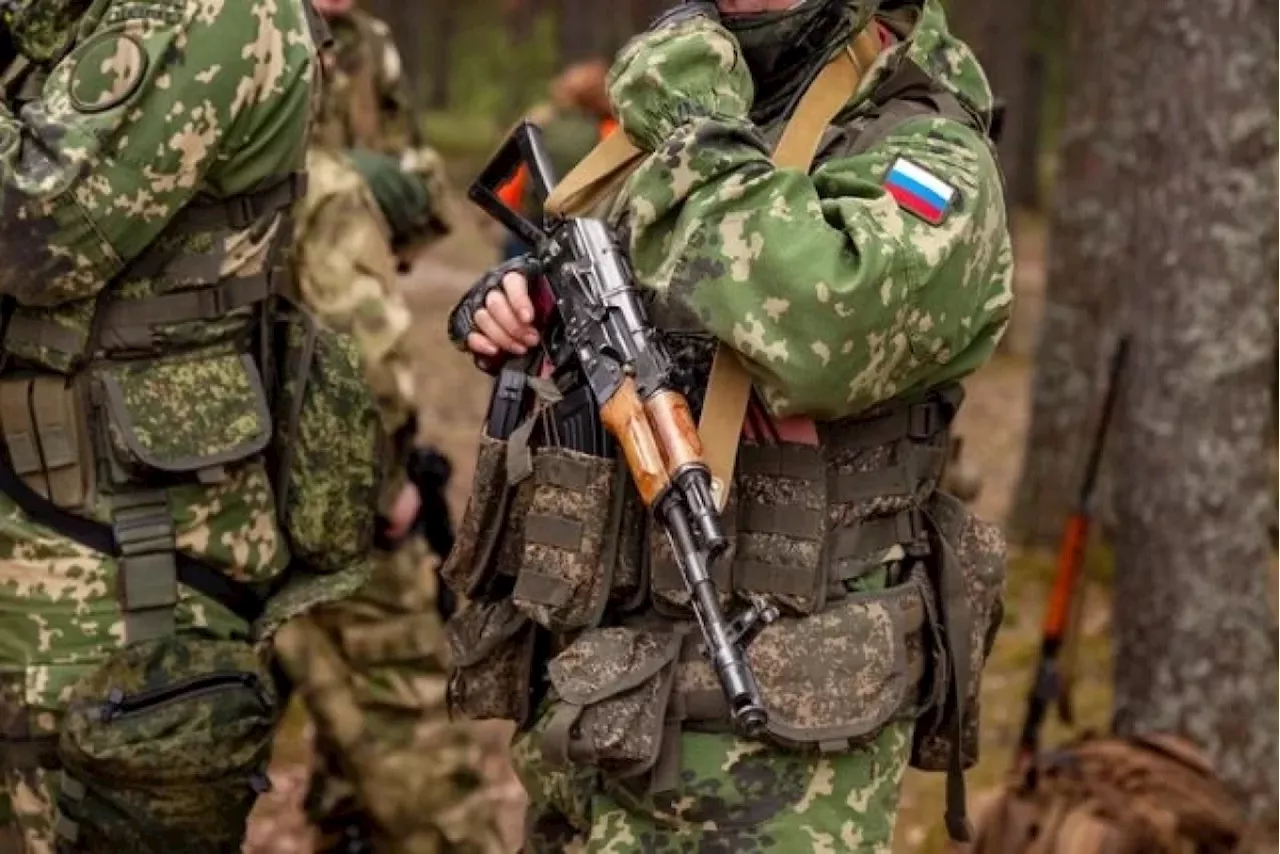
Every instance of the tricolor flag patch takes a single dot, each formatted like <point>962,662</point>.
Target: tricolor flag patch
<point>920,191</point>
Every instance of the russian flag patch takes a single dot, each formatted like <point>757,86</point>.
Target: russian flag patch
<point>920,191</point>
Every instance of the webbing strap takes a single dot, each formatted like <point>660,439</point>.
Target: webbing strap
<point>147,574</point>
<point>184,306</point>
<point>37,333</point>
<point>236,597</point>
<point>729,386</point>
<point>242,210</point>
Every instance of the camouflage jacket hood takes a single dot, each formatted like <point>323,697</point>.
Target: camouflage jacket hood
<point>926,41</point>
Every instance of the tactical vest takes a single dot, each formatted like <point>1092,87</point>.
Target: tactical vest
<point>890,590</point>
<point>95,446</point>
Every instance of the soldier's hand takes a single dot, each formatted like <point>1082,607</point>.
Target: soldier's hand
<point>404,512</point>
<point>497,315</point>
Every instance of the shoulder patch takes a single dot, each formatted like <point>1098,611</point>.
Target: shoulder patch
<point>919,191</point>
<point>108,70</point>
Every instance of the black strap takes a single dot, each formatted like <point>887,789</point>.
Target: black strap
<point>236,597</point>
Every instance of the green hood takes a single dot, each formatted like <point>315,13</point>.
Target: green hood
<point>931,46</point>
<point>43,30</point>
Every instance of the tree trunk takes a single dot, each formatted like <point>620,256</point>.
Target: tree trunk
<point>1089,243</point>
<point>1196,649</point>
<point>1000,33</point>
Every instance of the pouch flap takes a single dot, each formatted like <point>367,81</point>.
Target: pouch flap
<point>187,414</point>
<point>607,662</point>
<point>474,633</point>
<point>828,680</point>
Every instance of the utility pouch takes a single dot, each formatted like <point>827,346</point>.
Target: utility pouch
<point>331,453</point>
<point>45,426</point>
<point>612,690</point>
<point>667,590</point>
<point>969,576</point>
<point>163,744</point>
<point>168,421</point>
<point>781,525</point>
<point>570,538</point>
<point>488,527</point>
<point>492,646</point>
<point>830,681</point>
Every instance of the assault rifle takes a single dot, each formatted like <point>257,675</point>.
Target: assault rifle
<point>1049,687</point>
<point>600,330</point>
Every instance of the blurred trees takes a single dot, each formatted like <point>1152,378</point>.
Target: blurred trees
<point>1194,95</point>
<point>1086,273</point>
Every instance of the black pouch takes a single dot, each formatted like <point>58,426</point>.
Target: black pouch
<point>493,650</point>
<point>570,538</point>
<point>612,689</point>
<point>165,748</point>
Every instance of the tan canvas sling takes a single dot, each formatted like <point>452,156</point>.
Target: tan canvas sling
<point>602,171</point>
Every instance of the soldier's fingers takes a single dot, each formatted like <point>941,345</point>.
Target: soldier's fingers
<point>489,328</point>
<point>501,311</point>
<point>480,345</point>
<point>516,287</point>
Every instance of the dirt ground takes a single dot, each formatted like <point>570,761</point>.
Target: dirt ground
<point>993,423</point>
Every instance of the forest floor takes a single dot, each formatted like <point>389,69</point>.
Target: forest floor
<point>993,423</point>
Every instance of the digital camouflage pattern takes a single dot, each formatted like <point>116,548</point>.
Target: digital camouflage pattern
<point>150,106</point>
<point>186,414</point>
<point>761,257</point>
<point>372,669</point>
<point>733,795</point>
<point>367,105</point>
<point>163,736</point>
<point>840,300</point>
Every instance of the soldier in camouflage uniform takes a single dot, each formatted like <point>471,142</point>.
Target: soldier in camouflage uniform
<point>367,104</point>
<point>160,516</point>
<point>857,296</point>
<point>393,770</point>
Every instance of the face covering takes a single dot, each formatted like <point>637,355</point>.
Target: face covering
<point>783,47</point>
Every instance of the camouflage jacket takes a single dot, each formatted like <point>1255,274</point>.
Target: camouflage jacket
<point>838,295</point>
<point>346,274</point>
<point>367,104</point>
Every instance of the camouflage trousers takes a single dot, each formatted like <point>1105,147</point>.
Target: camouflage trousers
<point>732,796</point>
<point>372,672</point>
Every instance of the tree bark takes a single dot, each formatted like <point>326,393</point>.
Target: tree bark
<point>1000,33</point>
<point>1089,244</point>
<point>1196,650</point>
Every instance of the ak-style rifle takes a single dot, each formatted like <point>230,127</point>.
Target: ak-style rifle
<point>600,327</point>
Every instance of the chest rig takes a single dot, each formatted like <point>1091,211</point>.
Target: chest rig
<point>889,590</point>
<point>70,375</point>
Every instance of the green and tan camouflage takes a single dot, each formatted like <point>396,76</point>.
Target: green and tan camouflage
<point>129,281</point>
<point>850,310</point>
<point>367,104</point>
<point>371,669</point>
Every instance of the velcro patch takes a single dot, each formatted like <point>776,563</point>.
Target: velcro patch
<point>919,191</point>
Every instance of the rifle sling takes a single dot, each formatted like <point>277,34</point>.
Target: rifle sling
<point>601,171</point>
